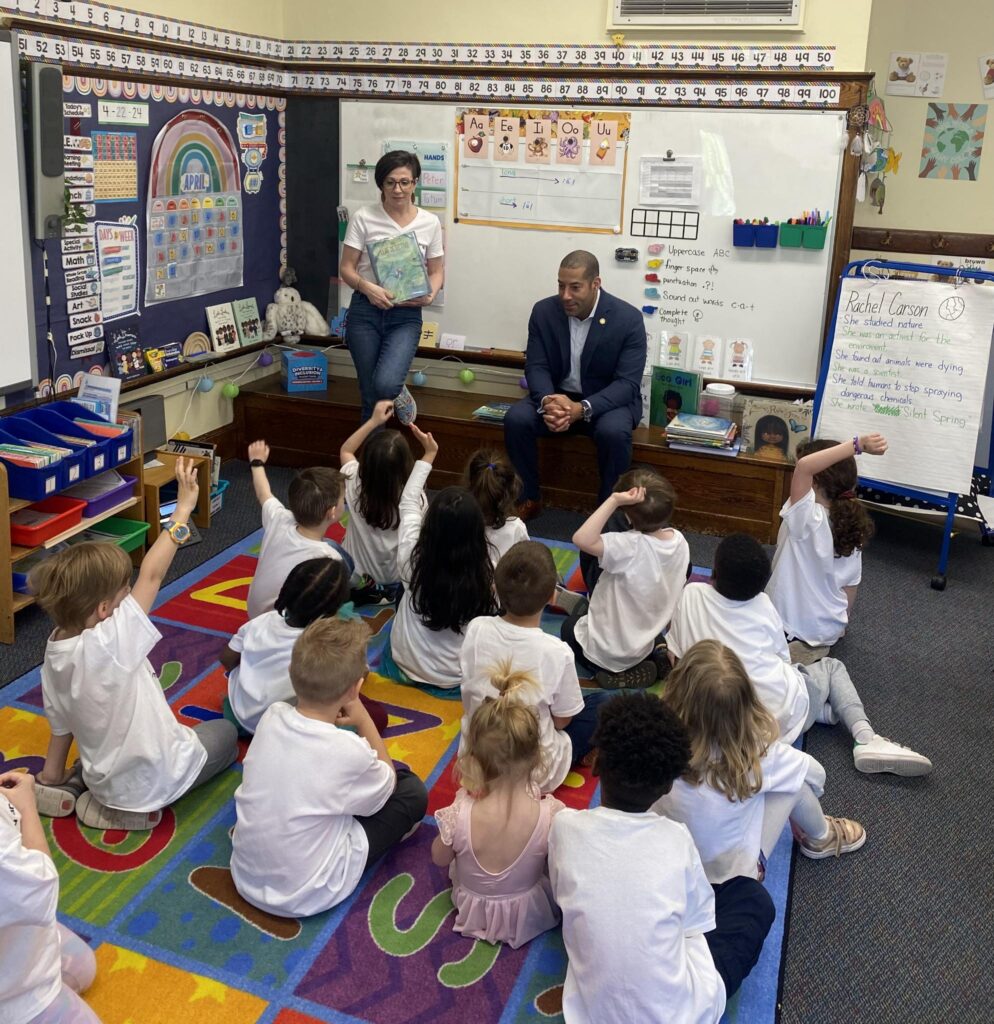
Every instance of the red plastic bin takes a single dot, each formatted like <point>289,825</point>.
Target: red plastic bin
<point>68,512</point>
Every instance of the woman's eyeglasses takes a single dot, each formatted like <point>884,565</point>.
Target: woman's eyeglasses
<point>394,183</point>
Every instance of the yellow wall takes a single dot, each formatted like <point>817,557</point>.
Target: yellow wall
<point>965,31</point>
<point>254,17</point>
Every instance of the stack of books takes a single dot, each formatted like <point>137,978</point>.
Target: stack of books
<point>101,427</point>
<point>32,455</point>
<point>693,433</point>
<point>492,413</point>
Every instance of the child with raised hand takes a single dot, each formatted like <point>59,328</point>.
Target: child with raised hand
<point>648,938</point>
<point>492,480</point>
<point>45,966</point>
<point>526,581</point>
<point>495,836</point>
<point>258,655</point>
<point>290,535</point>
<point>376,464</point>
<point>742,782</point>
<point>733,609</point>
<point>99,686</point>
<point>643,571</point>
<point>448,577</point>
<point>318,804</point>
<point>818,563</point>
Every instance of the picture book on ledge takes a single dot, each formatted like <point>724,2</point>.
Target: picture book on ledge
<point>672,391</point>
<point>773,428</point>
<point>246,313</point>
<point>224,333</point>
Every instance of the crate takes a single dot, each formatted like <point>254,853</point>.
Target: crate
<point>119,448</point>
<point>125,533</point>
<point>217,496</point>
<point>31,484</point>
<point>66,513</point>
<point>100,504</point>
<point>97,457</point>
<point>73,466</point>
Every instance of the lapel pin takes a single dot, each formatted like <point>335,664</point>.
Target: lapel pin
<point>602,321</point>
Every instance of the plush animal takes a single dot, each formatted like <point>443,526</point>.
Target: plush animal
<point>903,72</point>
<point>289,316</point>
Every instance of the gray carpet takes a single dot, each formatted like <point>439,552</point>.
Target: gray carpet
<point>900,931</point>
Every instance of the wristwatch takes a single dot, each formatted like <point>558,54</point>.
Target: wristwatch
<point>588,413</point>
<point>179,532</point>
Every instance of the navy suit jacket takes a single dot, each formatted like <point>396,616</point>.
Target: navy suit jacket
<point>613,357</point>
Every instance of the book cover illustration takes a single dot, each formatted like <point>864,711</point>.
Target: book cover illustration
<point>224,333</point>
<point>773,428</point>
<point>672,391</point>
<point>246,313</point>
<point>493,412</point>
<point>124,352</point>
<point>399,266</point>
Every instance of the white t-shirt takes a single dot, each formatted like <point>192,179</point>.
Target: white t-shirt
<point>30,950</point>
<point>641,580</point>
<point>372,224</point>
<point>297,849</point>
<point>283,548</point>
<point>262,677</point>
<point>426,655</point>
<point>754,631</point>
<point>506,537</point>
<point>807,581</point>
<point>728,833</point>
<point>101,687</point>
<point>490,640</point>
<point>636,906</point>
<point>374,551</point>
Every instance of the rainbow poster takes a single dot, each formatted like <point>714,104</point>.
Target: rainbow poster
<point>194,210</point>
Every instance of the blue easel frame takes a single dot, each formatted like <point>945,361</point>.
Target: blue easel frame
<point>857,269</point>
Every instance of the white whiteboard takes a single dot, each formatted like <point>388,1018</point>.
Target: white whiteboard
<point>755,163</point>
<point>18,361</point>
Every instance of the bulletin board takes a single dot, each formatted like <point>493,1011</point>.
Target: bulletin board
<point>177,201</point>
<point>751,164</point>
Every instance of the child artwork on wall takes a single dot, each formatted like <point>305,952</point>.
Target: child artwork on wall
<point>738,359</point>
<point>773,428</point>
<point>953,141</point>
<point>674,347</point>
<point>707,355</point>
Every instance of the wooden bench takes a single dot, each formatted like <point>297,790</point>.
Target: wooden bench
<point>717,495</point>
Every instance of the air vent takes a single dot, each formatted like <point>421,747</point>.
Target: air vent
<point>705,13</point>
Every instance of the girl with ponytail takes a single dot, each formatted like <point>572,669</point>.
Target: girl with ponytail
<point>491,479</point>
<point>494,838</point>
<point>818,563</point>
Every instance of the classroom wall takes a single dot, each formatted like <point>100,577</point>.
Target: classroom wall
<point>257,17</point>
<point>965,31</point>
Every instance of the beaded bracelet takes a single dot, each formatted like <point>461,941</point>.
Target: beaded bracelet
<point>855,445</point>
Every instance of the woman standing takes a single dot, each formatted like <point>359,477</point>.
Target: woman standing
<point>382,336</point>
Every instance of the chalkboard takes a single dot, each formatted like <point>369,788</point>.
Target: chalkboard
<point>751,164</point>
<point>909,360</point>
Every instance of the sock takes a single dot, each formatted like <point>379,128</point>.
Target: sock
<point>861,731</point>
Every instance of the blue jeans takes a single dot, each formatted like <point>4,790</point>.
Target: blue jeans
<point>581,727</point>
<point>382,343</point>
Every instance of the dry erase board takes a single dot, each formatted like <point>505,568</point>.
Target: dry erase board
<point>747,163</point>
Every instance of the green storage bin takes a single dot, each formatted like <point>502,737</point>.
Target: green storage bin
<point>814,236</point>
<point>792,235</point>
<point>128,534</point>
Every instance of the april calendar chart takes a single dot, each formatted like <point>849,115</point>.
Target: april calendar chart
<point>194,210</point>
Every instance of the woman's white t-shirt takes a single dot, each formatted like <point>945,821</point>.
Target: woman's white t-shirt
<point>505,537</point>
<point>262,677</point>
<point>372,224</point>
<point>806,586</point>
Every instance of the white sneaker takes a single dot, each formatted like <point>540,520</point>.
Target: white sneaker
<point>884,755</point>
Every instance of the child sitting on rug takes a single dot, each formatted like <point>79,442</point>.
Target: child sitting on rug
<point>643,571</point>
<point>491,479</point>
<point>99,686</point>
<point>448,577</point>
<point>526,582</point>
<point>742,782</point>
<point>291,535</point>
<point>319,804</point>
<point>648,938</point>
<point>374,482</point>
<point>495,836</point>
<point>734,610</point>
<point>819,559</point>
<point>45,965</point>
<point>258,655</point>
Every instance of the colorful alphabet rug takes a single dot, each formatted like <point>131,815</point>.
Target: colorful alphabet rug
<point>174,941</point>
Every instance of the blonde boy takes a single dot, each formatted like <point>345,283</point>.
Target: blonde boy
<point>318,803</point>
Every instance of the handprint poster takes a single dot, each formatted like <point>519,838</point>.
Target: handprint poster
<point>953,142</point>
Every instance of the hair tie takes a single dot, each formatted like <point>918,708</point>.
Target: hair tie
<point>491,465</point>
<point>848,495</point>
<point>347,611</point>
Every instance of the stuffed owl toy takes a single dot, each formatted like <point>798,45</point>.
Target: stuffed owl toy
<point>289,316</point>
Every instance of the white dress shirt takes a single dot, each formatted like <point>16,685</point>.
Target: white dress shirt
<point>578,331</point>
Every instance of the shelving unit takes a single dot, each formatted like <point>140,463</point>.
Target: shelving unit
<point>133,508</point>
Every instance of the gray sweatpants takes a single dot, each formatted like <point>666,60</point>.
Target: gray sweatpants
<point>828,682</point>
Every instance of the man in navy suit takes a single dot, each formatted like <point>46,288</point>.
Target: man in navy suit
<point>584,364</point>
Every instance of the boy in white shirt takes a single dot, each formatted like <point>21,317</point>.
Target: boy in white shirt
<point>291,535</point>
<point>642,573</point>
<point>45,965</point>
<point>526,580</point>
<point>99,686</point>
<point>734,610</point>
<point>318,804</point>
<point>653,942</point>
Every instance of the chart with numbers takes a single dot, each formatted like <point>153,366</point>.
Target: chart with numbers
<point>115,166</point>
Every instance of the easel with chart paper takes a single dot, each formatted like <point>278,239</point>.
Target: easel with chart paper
<point>910,359</point>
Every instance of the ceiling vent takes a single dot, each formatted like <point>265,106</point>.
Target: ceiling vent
<point>706,14</point>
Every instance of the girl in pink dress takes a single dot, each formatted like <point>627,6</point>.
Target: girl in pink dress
<point>495,837</point>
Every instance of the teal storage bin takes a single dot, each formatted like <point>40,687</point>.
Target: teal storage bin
<point>814,236</point>
<point>791,236</point>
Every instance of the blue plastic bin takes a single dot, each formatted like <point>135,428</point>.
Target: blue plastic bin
<point>74,465</point>
<point>98,456</point>
<point>30,484</point>
<point>120,448</point>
